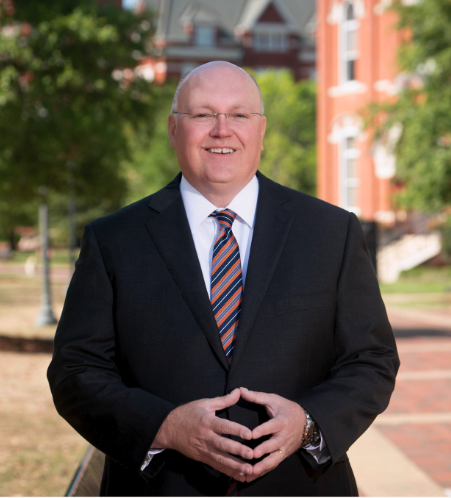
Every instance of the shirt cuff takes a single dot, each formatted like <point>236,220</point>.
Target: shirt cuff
<point>150,454</point>
<point>318,450</point>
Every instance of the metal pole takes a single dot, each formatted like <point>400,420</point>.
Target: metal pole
<point>72,232</point>
<point>45,316</point>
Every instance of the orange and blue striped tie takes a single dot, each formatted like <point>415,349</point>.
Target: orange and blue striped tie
<point>226,290</point>
<point>226,281</point>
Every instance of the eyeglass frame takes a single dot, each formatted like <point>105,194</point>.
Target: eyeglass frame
<point>217,114</point>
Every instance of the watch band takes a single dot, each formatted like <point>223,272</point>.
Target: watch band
<point>311,431</point>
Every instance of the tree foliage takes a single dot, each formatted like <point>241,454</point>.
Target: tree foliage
<point>289,156</point>
<point>152,163</point>
<point>423,106</point>
<point>67,94</point>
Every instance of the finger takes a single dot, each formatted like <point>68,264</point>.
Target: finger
<point>229,446</point>
<point>250,477</point>
<point>228,464</point>
<point>223,426</point>
<point>222,402</point>
<point>270,427</point>
<point>239,477</point>
<point>267,464</point>
<point>269,446</point>
<point>256,396</point>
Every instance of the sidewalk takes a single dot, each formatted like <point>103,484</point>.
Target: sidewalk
<point>407,451</point>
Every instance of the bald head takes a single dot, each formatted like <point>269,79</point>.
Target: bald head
<point>218,156</point>
<point>212,69</point>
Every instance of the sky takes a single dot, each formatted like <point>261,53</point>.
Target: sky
<point>129,4</point>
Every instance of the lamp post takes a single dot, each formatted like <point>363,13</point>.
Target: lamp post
<point>72,232</point>
<point>72,212</point>
<point>45,316</point>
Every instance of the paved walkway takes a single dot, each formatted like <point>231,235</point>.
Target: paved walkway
<point>407,451</point>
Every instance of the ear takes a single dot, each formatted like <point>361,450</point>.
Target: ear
<point>263,130</point>
<point>172,127</point>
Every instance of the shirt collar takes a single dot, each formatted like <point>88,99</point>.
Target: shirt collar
<point>198,207</point>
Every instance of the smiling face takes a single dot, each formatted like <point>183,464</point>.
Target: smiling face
<point>221,157</point>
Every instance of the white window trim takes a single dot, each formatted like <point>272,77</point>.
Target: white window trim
<point>343,54</point>
<point>345,182</point>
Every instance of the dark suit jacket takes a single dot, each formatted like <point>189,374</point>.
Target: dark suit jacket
<point>137,338</point>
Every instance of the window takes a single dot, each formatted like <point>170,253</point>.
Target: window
<point>204,36</point>
<point>349,43</point>
<point>270,42</point>
<point>350,178</point>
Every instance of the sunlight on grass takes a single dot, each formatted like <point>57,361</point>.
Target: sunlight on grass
<point>58,257</point>
<point>421,280</point>
<point>39,451</point>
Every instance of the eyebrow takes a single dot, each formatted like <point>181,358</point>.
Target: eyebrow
<point>235,108</point>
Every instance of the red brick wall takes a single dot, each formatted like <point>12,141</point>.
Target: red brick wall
<point>378,43</point>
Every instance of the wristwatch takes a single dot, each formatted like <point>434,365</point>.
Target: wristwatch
<point>311,431</point>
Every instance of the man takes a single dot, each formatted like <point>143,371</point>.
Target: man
<point>225,335</point>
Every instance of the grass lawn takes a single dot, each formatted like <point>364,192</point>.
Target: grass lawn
<point>39,451</point>
<point>20,299</point>
<point>421,280</point>
<point>58,257</point>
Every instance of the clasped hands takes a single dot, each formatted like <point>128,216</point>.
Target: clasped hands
<point>194,430</point>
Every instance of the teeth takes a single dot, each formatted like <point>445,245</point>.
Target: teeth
<point>222,151</point>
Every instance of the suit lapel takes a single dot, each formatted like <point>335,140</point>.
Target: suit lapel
<point>172,236</point>
<point>272,225</point>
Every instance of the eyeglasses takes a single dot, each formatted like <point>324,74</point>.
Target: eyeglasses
<point>209,118</point>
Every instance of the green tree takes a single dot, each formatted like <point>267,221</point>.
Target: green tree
<point>423,107</point>
<point>68,93</point>
<point>152,163</point>
<point>289,156</point>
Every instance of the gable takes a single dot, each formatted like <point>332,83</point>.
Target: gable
<point>271,15</point>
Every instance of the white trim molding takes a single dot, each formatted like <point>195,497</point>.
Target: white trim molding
<point>336,12</point>
<point>347,88</point>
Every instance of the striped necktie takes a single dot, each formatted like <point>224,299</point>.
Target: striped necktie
<point>226,290</point>
<point>226,281</point>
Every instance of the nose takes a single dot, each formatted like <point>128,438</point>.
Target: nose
<point>221,127</point>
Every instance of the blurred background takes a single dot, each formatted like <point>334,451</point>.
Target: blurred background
<point>358,101</point>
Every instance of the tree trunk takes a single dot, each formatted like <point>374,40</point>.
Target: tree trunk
<point>12,239</point>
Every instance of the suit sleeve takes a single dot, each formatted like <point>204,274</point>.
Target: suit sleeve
<point>362,379</point>
<point>86,385</point>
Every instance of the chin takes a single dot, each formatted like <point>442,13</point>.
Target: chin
<point>218,176</point>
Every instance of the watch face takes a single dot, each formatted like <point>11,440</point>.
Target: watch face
<point>311,434</point>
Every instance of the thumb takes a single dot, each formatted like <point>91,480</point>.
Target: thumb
<point>222,402</point>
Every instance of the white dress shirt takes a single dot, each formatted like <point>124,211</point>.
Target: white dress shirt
<point>205,230</point>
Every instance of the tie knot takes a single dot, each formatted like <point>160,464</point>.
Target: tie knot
<point>225,218</point>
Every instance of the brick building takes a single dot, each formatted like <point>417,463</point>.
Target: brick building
<point>356,46</point>
<point>251,33</point>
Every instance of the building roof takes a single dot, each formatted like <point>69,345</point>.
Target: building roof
<point>228,15</point>
<point>253,9</point>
